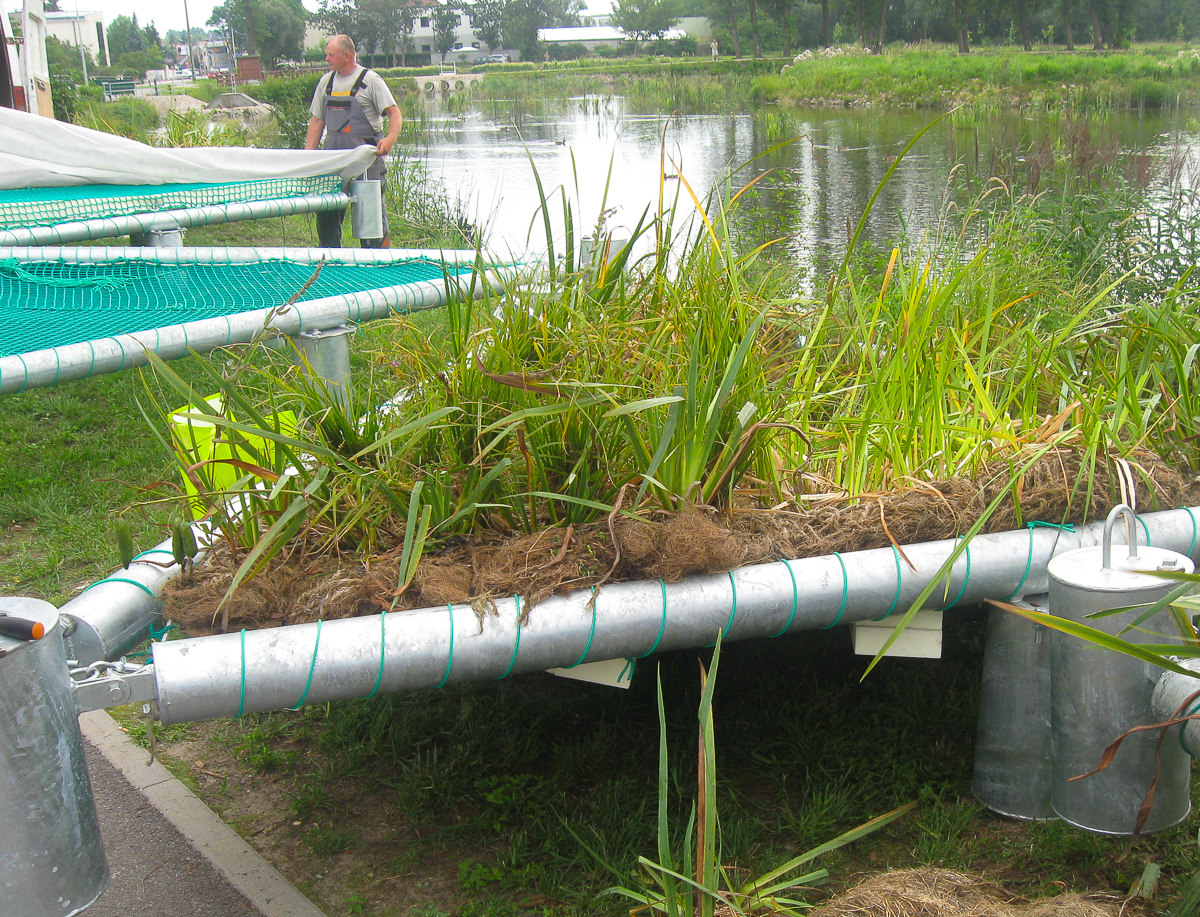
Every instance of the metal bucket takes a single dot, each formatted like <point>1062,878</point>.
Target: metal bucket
<point>1013,764</point>
<point>51,856</point>
<point>1097,694</point>
<point>366,216</point>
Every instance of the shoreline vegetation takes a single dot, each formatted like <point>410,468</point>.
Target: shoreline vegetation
<point>934,77</point>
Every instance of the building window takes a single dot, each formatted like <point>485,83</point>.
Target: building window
<point>426,48</point>
<point>475,45</point>
<point>424,22</point>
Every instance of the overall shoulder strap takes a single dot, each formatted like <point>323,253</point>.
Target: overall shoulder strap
<point>358,83</point>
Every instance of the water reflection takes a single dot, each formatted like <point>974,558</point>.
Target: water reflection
<point>811,192</point>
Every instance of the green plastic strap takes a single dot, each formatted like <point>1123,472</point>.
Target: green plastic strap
<point>138,557</point>
<point>1068,527</point>
<point>662,627</point>
<point>966,579</point>
<point>899,582</point>
<point>120,579</point>
<point>242,699</point>
<point>382,653</point>
<point>450,658</point>
<point>156,634</point>
<point>1145,528</point>
<point>311,668</point>
<point>517,645</point>
<point>588,648</point>
<point>1191,516</point>
<point>845,592</point>
<point>732,611</point>
<point>795,600</point>
<point>630,665</point>
<point>1182,726</point>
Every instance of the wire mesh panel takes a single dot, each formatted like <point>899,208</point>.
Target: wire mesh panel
<point>48,206</point>
<point>52,304</point>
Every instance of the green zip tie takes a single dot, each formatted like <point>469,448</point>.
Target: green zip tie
<point>795,600</point>
<point>1145,528</point>
<point>588,648</point>
<point>120,579</point>
<point>1191,516</point>
<point>1182,726</point>
<point>517,646</point>
<point>966,579</point>
<point>845,592</point>
<point>899,582</point>
<point>450,659</point>
<point>156,634</point>
<point>242,700</point>
<point>732,611</point>
<point>311,668</point>
<point>662,627</point>
<point>630,665</point>
<point>382,653</point>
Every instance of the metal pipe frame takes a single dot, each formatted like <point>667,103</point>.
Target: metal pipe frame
<point>232,674</point>
<point>97,254</point>
<point>211,214</point>
<point>112,354</point>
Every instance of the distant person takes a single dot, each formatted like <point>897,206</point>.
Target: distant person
<point>349,105</point>
<point>712,46</point>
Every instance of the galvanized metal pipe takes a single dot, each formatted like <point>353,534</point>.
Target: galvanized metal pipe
<point>122,351</point>
<point>231,674</point>
<point>1171,692</point>
<point>106,227</point>
<point>97,254</point>
<point>112,616</point>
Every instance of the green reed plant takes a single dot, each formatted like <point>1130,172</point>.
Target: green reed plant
<point>688,877</point>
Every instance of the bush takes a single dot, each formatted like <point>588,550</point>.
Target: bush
<point>132,118</point>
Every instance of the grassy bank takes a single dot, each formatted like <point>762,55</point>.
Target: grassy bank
<point>1149,77</point>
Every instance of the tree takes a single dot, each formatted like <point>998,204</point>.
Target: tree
<point>523,18</point>
<point>279,30</point>
<point>445,27</point>
<point>272,29</point>
<point>487,19</point>
<point>645,20</point>
<point>125,36</point>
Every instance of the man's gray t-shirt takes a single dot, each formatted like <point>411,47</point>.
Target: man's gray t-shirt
<point>374,96</point>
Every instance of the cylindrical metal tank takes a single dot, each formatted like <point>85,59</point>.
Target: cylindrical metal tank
<point>366,216</point>
<point>52,861</point>
<point>1097,694</point>
<point>1013,764</point>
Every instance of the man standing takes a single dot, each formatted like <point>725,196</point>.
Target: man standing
<point>349,105</point>
<point>713,47</point>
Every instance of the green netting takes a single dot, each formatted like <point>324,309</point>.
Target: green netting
<point>49,304</point>
<point>26,207</point>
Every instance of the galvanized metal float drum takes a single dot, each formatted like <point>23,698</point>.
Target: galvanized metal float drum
<point>1013,763</point>
<point>1097,694</point>
<point>51,858</point>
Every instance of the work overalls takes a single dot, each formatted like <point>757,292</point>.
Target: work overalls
<point>346,127</point>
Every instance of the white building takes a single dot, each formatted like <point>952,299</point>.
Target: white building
<point>82,29</point>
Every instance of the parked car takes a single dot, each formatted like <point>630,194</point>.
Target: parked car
<point>493,59</point>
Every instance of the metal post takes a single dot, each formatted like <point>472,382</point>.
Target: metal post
<point>327,354</point>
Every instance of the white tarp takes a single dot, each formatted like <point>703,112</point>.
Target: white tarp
<point>43,153</point>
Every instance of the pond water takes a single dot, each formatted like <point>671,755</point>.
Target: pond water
<point>817,168</point>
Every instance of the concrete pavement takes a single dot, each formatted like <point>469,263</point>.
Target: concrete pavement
<point>168,854</point>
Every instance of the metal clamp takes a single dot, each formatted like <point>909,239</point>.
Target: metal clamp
<point>1106,544</point>
<point>109,684</point>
